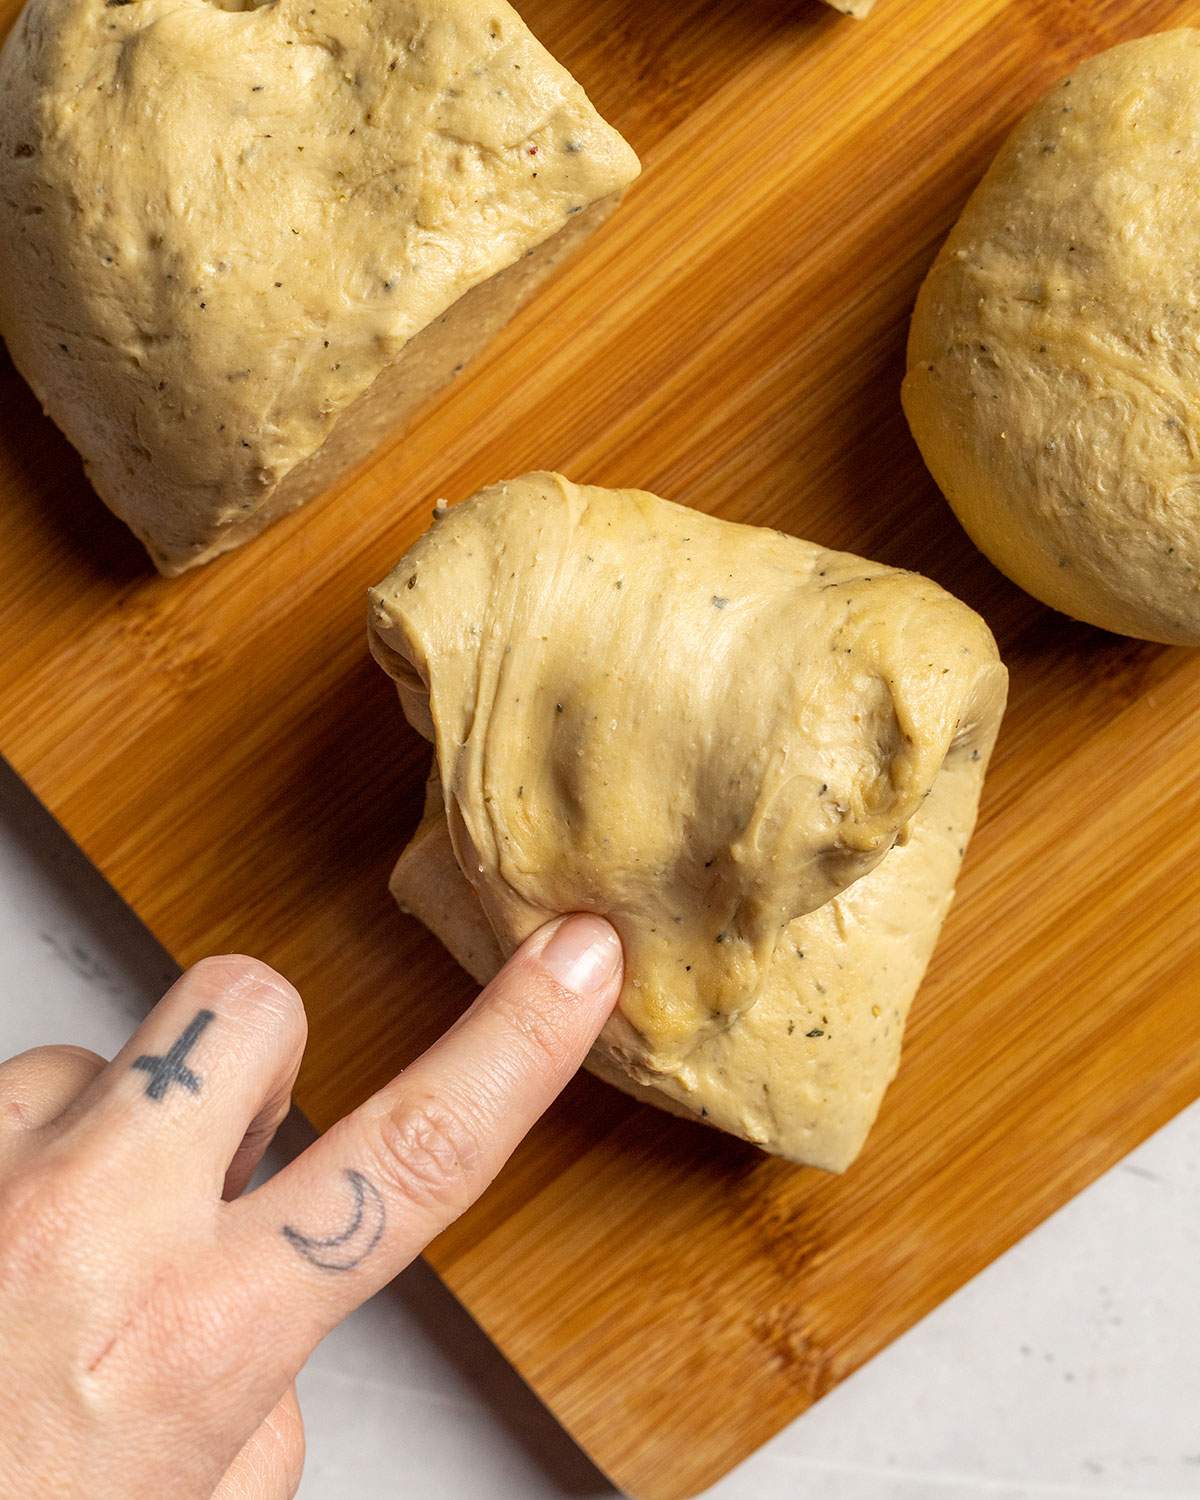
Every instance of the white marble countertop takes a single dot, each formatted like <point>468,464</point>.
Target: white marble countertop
<point>1071,1367</point>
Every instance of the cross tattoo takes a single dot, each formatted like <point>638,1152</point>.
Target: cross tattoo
<point>169,1068</point>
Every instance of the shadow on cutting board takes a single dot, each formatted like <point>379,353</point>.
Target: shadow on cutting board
<point>46,491</point>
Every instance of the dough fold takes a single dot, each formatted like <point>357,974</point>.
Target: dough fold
<point>759,758</point>
<point>240,244</point>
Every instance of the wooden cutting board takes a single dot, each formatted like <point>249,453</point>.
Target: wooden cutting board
<point>224,750</point>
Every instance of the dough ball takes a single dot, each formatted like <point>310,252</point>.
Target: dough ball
<point>241,245</point>
<point>1054,362</point>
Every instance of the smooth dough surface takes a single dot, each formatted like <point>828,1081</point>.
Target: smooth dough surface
<point>1054,363</point>
<point>858,8</point>
<point>759,758</point>
<point>220,224</point>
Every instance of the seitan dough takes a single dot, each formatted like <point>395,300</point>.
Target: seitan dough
<point>239,244</point>
<point>760,759</point>
<point>1054,364</point>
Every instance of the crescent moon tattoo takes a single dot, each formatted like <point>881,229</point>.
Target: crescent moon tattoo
<point>345,1251</point>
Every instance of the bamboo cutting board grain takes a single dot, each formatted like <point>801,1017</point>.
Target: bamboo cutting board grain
<point>223,749</point>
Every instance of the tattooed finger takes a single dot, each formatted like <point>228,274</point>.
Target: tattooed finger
<point>349,1248</point>
<point>214,1058</point>
<point>432,1140</point>
<point>169,1068</point>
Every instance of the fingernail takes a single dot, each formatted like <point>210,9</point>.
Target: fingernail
<point>584,953</point>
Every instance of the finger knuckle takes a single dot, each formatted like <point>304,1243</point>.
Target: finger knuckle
<point>42,1207</point>
<point>238,973</point>
<point>25,1080</point>
<point>429,1151</point>
<point>189,1336</point>
<point>15,1111</point>
<point>237,978</point>
<point>538,1021</point>
<point>82,1058</point>
<point>186,1330</point>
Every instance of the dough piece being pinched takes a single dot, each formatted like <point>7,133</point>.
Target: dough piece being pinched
<point>240,244</point>
<point>761,759</point>
<point>1054,364</point>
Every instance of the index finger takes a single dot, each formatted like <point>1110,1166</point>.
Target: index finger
<point>341,1220</point>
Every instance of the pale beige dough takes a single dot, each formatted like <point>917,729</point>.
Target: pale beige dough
<point>1054,363</point>
<point>761,759</point>
<point>222,227</point>
<point>858,8</point>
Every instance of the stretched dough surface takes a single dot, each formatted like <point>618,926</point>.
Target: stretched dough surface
<point>761,759</point>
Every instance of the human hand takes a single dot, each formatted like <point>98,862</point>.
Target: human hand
<point>152,1319</point>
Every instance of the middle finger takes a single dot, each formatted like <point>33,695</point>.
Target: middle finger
<point>220,1050</point>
